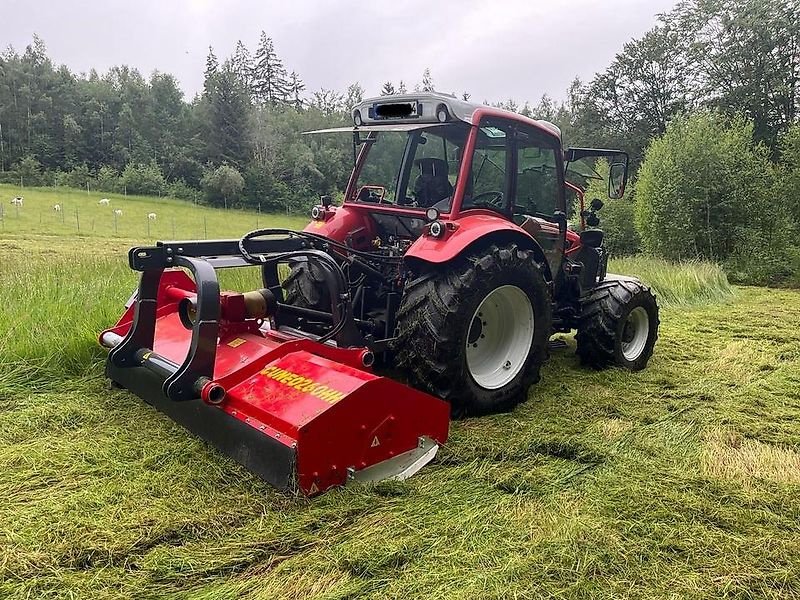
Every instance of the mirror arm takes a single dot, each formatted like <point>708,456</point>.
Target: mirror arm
<point>560,217</point>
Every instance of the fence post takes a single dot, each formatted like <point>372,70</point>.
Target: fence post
<point>258,215</point>
<point>205,227</point>
<point>63,212</point>
<point>148,227</point>
<point>77,220</point>
<point>115,222</point>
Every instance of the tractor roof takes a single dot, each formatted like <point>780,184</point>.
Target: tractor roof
<point>425,108</point>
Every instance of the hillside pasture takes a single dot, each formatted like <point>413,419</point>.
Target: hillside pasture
<point>81,214</point>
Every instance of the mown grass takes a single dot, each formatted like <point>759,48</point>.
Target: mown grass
<point>677,482</point>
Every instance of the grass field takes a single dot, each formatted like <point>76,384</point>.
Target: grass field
<point>81,215</point>
<point>682,481</point>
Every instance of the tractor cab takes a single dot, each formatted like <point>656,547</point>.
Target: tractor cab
<point>431,157</point>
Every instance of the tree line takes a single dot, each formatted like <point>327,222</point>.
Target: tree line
<point>236,142</point>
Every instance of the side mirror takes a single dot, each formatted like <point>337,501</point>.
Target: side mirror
<point>617,178</point>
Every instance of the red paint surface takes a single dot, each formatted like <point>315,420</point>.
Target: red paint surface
<point>345,222</point>
<point>470,228</point>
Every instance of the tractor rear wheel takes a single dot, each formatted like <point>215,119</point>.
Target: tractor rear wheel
<point>475,332</point>
<point>305,287</point>
<point>618,325</point>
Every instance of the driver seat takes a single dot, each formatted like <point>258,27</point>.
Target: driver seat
<point>432,184</point>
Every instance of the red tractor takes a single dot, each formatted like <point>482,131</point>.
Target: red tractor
<point>449,263</point>
<point>470,264</point>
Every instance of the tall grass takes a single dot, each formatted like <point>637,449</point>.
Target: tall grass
<point>680,284</point>
<point>54,308</point>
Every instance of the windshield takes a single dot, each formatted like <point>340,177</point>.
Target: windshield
<point>413,169</point>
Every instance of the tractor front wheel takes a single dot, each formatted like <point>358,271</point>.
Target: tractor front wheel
<point>305,287</point>
<point>618,325</point>
<point>475,332</point>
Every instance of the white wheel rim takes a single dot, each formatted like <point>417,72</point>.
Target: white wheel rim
<point>635,333</point>
<point>499,337</point>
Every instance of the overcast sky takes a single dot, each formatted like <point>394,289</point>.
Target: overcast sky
<point>497,49</point>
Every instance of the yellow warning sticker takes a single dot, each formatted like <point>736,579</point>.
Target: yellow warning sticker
<point>236,343</point>
<point>303,384</point>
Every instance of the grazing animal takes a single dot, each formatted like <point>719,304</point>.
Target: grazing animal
<point>104,201</point>
<point>17,201</point>
<point>151,216</point>
<point>57,207</point>
<point>118,212</point>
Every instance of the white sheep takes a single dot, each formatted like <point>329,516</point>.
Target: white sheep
<point>104,201</point>
<point>17,201</point>
<point>151,216</point>
<point>118,212</point>
<point>57,207</point>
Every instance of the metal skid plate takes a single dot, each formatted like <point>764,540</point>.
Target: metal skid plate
<point>400,467</point>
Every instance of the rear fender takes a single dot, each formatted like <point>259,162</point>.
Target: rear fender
<point>470,232</point>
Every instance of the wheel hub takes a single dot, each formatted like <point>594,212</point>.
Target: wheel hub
<point>500,337</point>
<point>628,332</point>
<point>475,330</point>
<point>635,332</point>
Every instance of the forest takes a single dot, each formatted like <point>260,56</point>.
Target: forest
<point>706,104</point>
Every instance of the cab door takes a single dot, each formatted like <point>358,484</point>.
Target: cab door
<point>538,192</point>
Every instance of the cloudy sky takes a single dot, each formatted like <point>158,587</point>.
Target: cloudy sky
<point>495,49</point>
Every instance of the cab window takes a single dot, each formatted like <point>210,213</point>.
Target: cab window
<point>434,166</point>
<point>416,168</point>
<point>537,189</point>
<point>378,178</point>
<point>487,186</point>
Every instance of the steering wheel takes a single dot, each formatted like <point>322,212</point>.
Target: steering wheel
<point>494,199</point>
